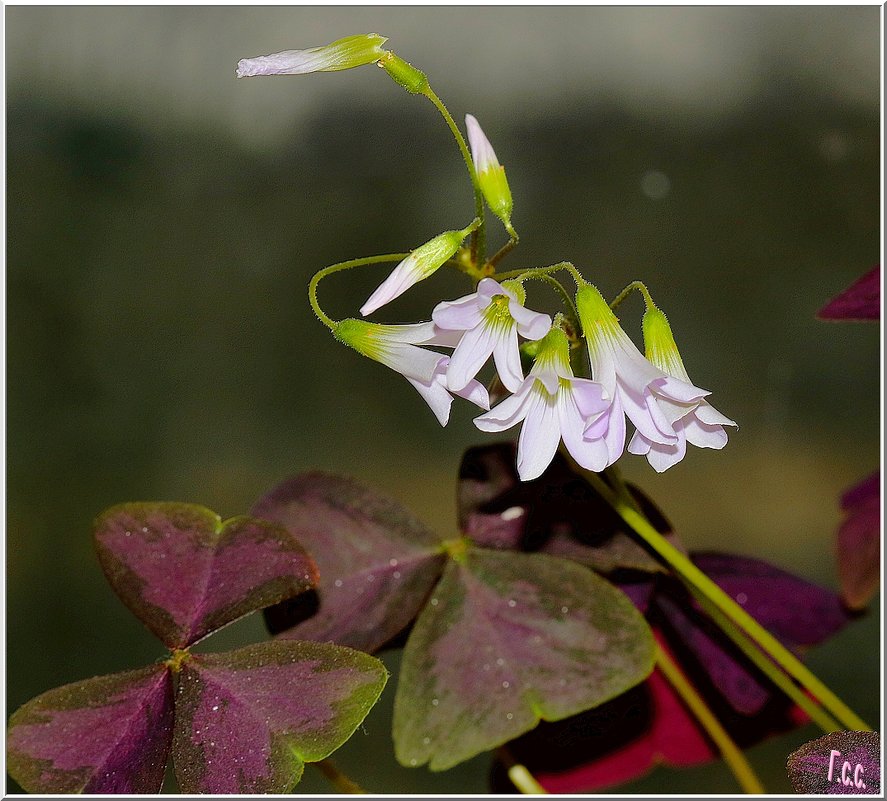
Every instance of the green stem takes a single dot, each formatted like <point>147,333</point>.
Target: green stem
<point>338,779</point>
<point>733,756</point>
<point>478,237</point>
<point>572,314</point>
<point>529,272</point>
<point>504,250</point>
<point>641,287</point>
<point>816,713</point>
<point>335,268</point>
<point>695,577</point>
<point>520,776</point>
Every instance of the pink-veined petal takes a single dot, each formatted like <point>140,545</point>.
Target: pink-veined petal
<point>507,358</point>
<point>615,436</point>
<point>703,435</point>
<point>589,453</point>
<point>706,413</point>
<point>436,396</point>
<point>459,315</point>
<point>470,355</point>
<point>589,396</point>
<point>637,411</point>
<point>509,412</point>
<point>539,437</point>
<point>680,390</point>
<point>401,279</point>
<point>474,391</point>
<point>661,457</point>
<point>530,324</point>
<point>639,445</point>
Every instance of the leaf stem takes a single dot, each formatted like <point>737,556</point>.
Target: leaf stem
<point>641,287</point>
<point>504,250</point>
<point>733,756</point>
<point>528,272</point>
<point>478,237</point>
<point>720,600</point>
<point>816,713</point>
<point>335,268</point>
<point>520,776</point>
<point>338,779</point>
<point>572,314</point>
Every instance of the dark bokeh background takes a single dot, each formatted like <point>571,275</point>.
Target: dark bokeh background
<point>164,219</point>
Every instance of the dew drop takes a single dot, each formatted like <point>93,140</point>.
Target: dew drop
<point>565,609</point>
<point>486,665</point>
<point>434,601</point>
<point>371,577</point>
<point>144,529</point>
<point>216,708</point>
<point>435,701</point>
<point>506,684</point>
<point>338,582</point>
<point>128,533</point>
<point>511,602</point>
<point>392,562</point>
<point>500,661</point>
<point>509,716</point>
<point>396,574</point>
<point>741,598</point>
<point>536,639</point>
<point>426,741</point>
<point>512,513</point>
<point>414,762</point>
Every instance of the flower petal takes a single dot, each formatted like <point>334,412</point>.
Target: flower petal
<point>589,397</point>
<point>639,413</point>
<point>474,391</point>
<point>639,444</point>
<point>470,355</point>
<point>401,279</point>
<point>615,436</point>
<point>539,437</point>
<point>462,314</point>
<point>511,411</point>
<point>436,396</point>
<point>679,390</point>
<point>661,457</point>
<point>703,435</point>
<point>481,150</point>
<point>507,358</point>
<point>591,454</point>
<point>530,324</point>
<point>706,413</point>
<point>410,361</point>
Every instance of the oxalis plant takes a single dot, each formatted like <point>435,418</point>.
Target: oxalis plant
<point>562,625</point>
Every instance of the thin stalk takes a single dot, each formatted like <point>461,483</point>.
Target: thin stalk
<point>338,779</point>
<point>564,295</point>
<point>695,577</point>
<point>504,250</point>
<point>533,271</point>
<point>816,713</point>
<point>732,754</point>
<point>478,237</point>
<point>640,286</point>
<point>520,776</point>
<point>335,268</point>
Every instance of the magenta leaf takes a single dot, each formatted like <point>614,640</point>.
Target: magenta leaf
<point>840,763</point>
<point>377,562</point>
<point>858,543</point>
<point>110,734</point>
<point>559,513</point>
<point>248,720</point>
<point>508,639</point>
<point>185,573</point>
<point>860,301</point>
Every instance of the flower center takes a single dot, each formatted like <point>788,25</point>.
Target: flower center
<point>497,313</point>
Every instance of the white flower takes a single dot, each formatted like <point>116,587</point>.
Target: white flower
<point>636,388</point>
<point>696,422</point>
<point>490,174</point>
<point>491,318</point>
<point>352,51</point>
<point>395,346</point>
<point>552,404</point>
<point>421,263</point>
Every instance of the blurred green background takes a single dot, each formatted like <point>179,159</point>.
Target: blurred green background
<point>164,219</point>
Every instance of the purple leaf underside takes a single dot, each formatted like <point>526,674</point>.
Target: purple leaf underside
<point>377,562</point>
<point>248,720</point>
<point>558,514</point>
<point>860,301</point>
<point>110,734</point>
<point>185,573</point>
<point>858,543</point>
<point>508,639</point>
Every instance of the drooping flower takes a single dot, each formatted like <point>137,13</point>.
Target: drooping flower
<point>491,319</point>
<point>635,387</point>
<point>696,422</point>
<point>343,54</point>
<point>420,264</point>
<point>553,405</point>
<point>490,174</point>
<point>396,346</point>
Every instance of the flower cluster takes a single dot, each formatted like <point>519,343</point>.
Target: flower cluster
<point>588,411</point>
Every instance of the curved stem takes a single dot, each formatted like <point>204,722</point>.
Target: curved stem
<point>815,712</point>
<point>504,250</point>
<point>641,287</point>
<point>565,296</point>
<point>733,756</point>
<point>478,237</point>
<point>338,779</point>
<point>528,272</point>
<point>335,268</point>
<point>694,576</point>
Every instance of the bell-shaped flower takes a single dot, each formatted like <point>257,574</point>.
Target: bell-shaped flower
<point>352,51</point>
<point>491,319</point>
<point>553,405</point>
<point>696,422</point>
<point>420,264</point>
<point>490,174</point>
<point>396,346</point>
<point>635,387</point>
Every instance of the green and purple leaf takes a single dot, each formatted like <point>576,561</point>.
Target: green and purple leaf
<point>559,513</point>
<point>508,639</point>
<point>110,734</point>
<point>860,301</point>
<point>185,573</point>
<point>858,543</point>
<point>247,721</point>
<point>377,562</point>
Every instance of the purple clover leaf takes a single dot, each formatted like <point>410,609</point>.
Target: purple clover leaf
<point>858,543</point>
<point>860,301</point>
<point>501,639</point>
<point>245,721</point>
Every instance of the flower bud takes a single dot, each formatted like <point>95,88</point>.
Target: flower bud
<point>343,54</point>
<point>490,174</point>
<point>659,345</point>
<point>404,73</point>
